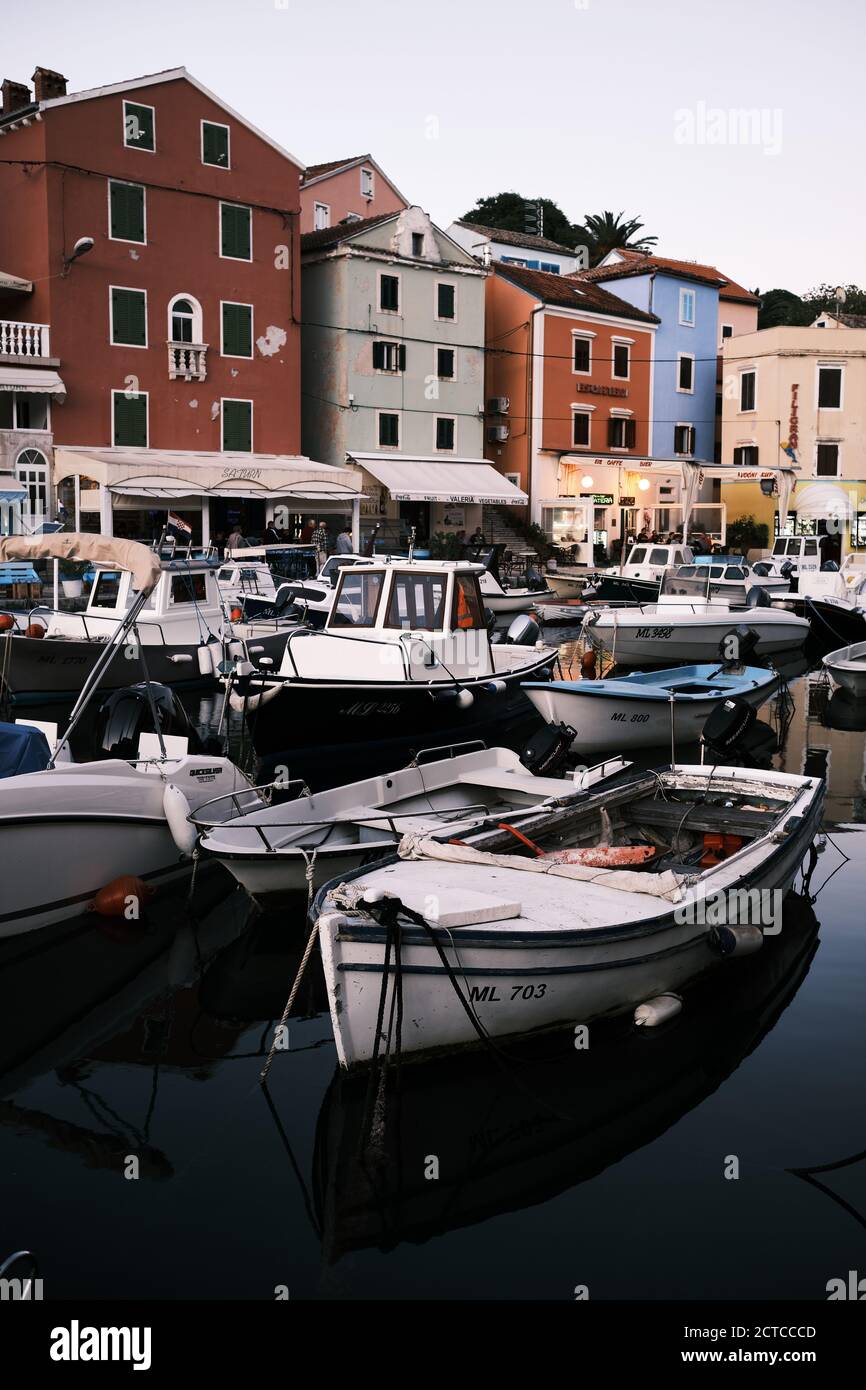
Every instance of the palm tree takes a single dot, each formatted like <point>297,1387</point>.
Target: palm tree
<point>603,232</point>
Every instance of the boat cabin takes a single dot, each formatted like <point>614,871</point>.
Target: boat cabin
<point>647,561</point>
<point>392,620</point>
<point>186,598</point>
<point>803,552</point>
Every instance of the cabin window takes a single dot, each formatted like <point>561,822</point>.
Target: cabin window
<point>637,557</point>
<point>658,557</point>
<point>417,600</point>
<point>467,612</point>
<point>106,590</point>
<point>358,600</point>
<point>810,548</point>
<point>188,587</point>
<point>733,573</point>
<point>716,572</point>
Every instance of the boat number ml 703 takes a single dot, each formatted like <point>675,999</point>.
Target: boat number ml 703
<point>488,994</point>
<point>660,633</point>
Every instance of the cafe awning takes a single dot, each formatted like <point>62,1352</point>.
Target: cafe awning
<point>32,379</point>
<point>171,474</point>
<point>440,480</point>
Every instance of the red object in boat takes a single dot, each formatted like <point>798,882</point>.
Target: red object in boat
<point>604,856</point>
<point>718,848</point>
<point>587,664</point>
<point>236,615</point>
<point>117,897</point>
<point>7,622</point>
<point>34,630</point>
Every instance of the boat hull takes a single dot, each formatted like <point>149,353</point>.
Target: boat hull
<point>847,666</point>
<point>635,638</point>
<point>520,982</point>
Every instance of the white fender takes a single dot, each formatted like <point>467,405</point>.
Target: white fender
<point>176,809</point>
<point>205,660</point>
<point>465,699</point>
<point>658,1010</point>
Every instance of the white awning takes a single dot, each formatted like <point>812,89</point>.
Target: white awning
<point>151,485</point>
<point>14,282</point>
<point>32,379</point>
<point>441,480</point>
<point>821,502</point>
<point>173,473</point>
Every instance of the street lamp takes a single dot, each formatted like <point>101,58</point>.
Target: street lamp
<point>81,248</point>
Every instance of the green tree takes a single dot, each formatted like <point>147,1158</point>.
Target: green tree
<point>603,232</point>
<point>507,211</point>
<point>784,309</point>
<point>824,297</point>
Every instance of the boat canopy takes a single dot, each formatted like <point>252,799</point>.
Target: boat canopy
<point>23,748</point>
<point>143,563</point>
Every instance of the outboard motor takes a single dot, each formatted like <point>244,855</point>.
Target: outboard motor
<point>762,569</point>
<point>546,752</point>
<point>524,631</point>
<point>758,597</point>
<point>126,714</point>
<point>726,727</point>
<point>829,567</point>
<point>746,645</point>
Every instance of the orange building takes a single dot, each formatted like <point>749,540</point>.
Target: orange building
<point>569,391</point>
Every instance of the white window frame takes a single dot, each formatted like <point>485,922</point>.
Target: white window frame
<point>685,425</point>
<point>379,414</point>
<point>446,347</point>
<point>686,390</point>
<point>43,483</point>
<point>684,322</point>
<point>30,429</point>
<point>197,323</point>
<point>628,344</point>
<point>396,344</point>
<point>222,126</point>
<point>835,367</point>
<point>130,289</point>
<point>389,275</point>
<point>365,171</point>
<point>745,444</point>
<point>747,371</point>
<point>722,338</point>
<point>131,183</point>
<point>326,209</point>
<point>239,356</point>
<point>587,335</point>
<point>453,419</point>
<point>514,478</point>
<point>146,394</point>
<point>240,260</point>
<point>456,315</point>
<point>618,413</point>
<point>237,400</point>
<point>587,411</point>
<point>142,148</point>
<point>838,444</point>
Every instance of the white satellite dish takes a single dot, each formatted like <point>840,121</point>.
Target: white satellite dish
<point>840,294</point>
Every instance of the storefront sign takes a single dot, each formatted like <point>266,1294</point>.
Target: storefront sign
<point>600,499</point>
<point>454,516</point>
<point>249,474</point>
<point>626,501</point>
<point>587,388</point>
<point>793,420</point>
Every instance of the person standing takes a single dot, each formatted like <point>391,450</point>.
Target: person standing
<point>320,541</point>
<point>235,538</point>
<point>344,541</point>
<point>307,533</point>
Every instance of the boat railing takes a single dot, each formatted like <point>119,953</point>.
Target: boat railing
<point>141,623</point>
<point>197,817</point>
<point>377,819</point>
<point>449,749</point>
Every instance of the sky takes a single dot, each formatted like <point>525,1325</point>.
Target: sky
<point>734,130</point>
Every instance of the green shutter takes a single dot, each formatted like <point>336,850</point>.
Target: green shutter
<point>127,211</point>
<point>130,419</point>
<point>128,317</point>
<point>215,145</point>
<point>237,426</point>
<point>138,126</point>
<point>235,237</point>
<point>237,330</point>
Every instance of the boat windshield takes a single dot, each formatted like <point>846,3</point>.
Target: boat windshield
<point>687,582</point>
<point>106,590</point>
<point>418,601</point>
<point>358,599</point>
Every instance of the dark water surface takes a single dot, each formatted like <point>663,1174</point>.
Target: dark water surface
<point>562,1168</point>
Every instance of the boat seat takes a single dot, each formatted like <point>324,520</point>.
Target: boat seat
<point>500,779</point>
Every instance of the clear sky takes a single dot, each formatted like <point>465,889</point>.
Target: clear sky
<point>735,130</point>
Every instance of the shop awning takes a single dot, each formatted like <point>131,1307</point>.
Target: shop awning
<point>172,473</point>
<point>11,490</point>
<point>822,502</point>
<point>440,480</point>
<point>14,282</point>
<point>32,379</point>
<point>149,485</point>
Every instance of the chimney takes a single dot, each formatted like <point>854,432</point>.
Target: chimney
<point>48,84</point>
<point>15,96</point>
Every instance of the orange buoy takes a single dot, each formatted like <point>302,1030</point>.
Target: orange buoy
<point>7,622</point>
<point>237,615</point>
<point>587,664</point>
<point>123,897</point>
<point>35,630</point>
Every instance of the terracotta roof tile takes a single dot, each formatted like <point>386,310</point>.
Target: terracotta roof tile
<point>585,298</point>
<point>532,243</point>
<point>315,171</point>
<point>639,263</point>
<point>342,231</point>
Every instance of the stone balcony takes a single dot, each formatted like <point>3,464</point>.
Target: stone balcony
<point>23,341</point>
<point>187,361</point>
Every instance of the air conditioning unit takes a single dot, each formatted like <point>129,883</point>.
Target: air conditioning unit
<point>498,405</point>
<point>497,434</point>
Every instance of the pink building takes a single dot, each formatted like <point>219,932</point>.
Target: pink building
<point>346,188</point>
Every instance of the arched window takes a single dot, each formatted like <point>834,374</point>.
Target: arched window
<point>31,469</point>
<point>184,320</point>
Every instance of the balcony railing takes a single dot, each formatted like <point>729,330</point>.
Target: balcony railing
<point>23,339</point>
<point>187,360</point>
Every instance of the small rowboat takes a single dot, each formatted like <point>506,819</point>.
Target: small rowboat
<point>644,709</point>
<point>847,666</point>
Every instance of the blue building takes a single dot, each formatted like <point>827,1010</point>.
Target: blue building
<point>686,300</point>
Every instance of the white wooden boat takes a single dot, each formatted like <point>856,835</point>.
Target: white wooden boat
<point>833,599</point>
<point>646,709</point>
<point>452,944</point>
<point>847,666</point>
<point>268,848</point>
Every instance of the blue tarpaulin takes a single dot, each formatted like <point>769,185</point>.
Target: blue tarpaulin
<point>22,749</point>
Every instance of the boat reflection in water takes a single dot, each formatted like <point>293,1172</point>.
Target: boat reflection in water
<point>514,1135</point>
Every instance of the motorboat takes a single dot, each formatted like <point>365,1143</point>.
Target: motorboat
<point>680,627</point>
<point>727,577</point>
<point>847,666</point>
<point>834,599</point>
<point>269,848</point>
<point>793,556</point>
<point>68,829</point>
<point>253,579</point>
<point>647,709</point>
<point>405,655</point>
<point>615,907</point>
<point>507,600</point>
<point>180,635</point>
<point>638,580</point>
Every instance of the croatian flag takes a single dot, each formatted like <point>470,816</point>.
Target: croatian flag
<point>177,523</point>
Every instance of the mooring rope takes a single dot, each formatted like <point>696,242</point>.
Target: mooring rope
<point>310,862</point>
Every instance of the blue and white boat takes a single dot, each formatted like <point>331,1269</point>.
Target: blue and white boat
<point>641,710</point>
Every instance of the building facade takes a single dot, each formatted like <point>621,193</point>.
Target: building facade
<point>488,244</point>
<point>569,408</point>
<point>346,190</point>
<point>159,232</point>
<point>393,373</point>
<point>797,397</point>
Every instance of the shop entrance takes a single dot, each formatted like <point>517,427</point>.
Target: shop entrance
<point>416,514</point>
<point>229,513</point>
